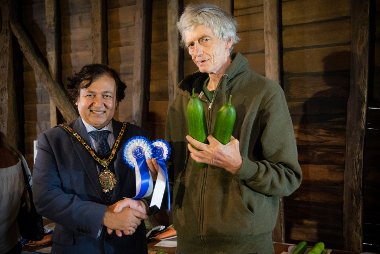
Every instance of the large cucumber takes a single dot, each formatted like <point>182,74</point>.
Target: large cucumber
<point>196,122</point>
<point>300,248</point>
<point>225,121</point>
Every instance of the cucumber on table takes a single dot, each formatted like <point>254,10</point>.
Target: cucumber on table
<point>318,248</point>
<point>299,248</point>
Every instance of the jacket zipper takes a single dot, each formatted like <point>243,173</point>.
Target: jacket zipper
<point>204,180</point>
<point>201,199</point>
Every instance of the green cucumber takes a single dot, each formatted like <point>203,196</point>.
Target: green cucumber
<point>225,121</point>
<point>300,248</point>
<point>196,121</point>
<point>318,248</point>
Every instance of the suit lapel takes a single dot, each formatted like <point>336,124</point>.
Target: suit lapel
<point>119,164</point>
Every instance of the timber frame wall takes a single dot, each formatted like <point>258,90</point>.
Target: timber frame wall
<point>321,52</point>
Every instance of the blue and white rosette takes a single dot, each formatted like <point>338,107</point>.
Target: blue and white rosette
<point>135,152</point>
<point>161,152</point>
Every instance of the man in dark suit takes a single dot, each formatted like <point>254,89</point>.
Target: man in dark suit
<point>79,178</point>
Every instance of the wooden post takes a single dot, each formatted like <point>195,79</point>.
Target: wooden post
<point>52,50</point>
<point>173,48</point>
<point>8,104</point>
<point>99,34</point>
<point>272,71</point>
<point>271,39</point>
<point>139,97</point>
<point>356,120</point>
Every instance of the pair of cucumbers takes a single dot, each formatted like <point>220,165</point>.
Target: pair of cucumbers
<point>196,120</point>
<point>300,248</point>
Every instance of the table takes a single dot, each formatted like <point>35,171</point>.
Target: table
<point>278,247</point>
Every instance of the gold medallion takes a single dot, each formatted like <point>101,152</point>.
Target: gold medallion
<point>107,180</point>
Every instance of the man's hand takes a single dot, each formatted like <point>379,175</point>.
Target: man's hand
<point>153,167</point>
<point>124,216</point>
<point>129,203</point>
<point>216,154</point>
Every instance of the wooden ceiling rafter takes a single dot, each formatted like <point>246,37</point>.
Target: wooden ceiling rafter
<point>56,91</point>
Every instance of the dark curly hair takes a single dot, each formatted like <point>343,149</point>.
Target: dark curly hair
<point>88,74</point>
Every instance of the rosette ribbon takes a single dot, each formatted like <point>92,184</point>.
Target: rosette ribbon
<point>135,152</point>
<point>161,152</point>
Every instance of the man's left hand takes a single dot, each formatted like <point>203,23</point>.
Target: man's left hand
<point>216,154</point>
<point>153,167</point>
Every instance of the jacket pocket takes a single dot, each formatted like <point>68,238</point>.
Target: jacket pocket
<point>226,210</point>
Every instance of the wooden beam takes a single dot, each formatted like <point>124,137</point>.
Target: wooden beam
<point>271,11</point>
<point>173,48</point>
<point>5,65</point>
<point>139,96</point>
<point>271,39</point>
<point>8,103</point>
<point>356,121</point>
<point>52,50</point>
<point>99,32</point>
<point>56,92</point>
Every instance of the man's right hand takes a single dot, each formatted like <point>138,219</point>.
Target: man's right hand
<point>124,216</point>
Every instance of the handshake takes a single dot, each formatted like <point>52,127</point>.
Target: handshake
<point>125,216</point>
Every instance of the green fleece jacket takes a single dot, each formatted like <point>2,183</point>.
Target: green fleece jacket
<point>215,211</point>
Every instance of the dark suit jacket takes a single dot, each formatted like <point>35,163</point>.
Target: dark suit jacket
<point>67,191</point>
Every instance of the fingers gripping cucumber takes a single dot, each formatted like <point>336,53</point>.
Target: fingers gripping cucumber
<point>225,121</point>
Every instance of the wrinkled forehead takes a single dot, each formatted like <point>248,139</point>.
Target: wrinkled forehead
<point>195,32</point>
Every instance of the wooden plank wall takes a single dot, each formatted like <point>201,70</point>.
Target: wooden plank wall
<point>250,18</point>
<point>76,38</point>
<point>158,89</point>
<point>316,64</point>
<point>121,33</point>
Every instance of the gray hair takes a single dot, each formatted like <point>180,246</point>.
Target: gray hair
<point>222,24</point>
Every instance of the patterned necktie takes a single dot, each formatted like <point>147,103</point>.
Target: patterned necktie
<point>101,137</point>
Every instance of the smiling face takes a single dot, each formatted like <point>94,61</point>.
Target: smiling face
<point>97,103</point>
<point>208,52</point>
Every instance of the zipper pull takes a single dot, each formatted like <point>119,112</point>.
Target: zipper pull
<point>210,105</point>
